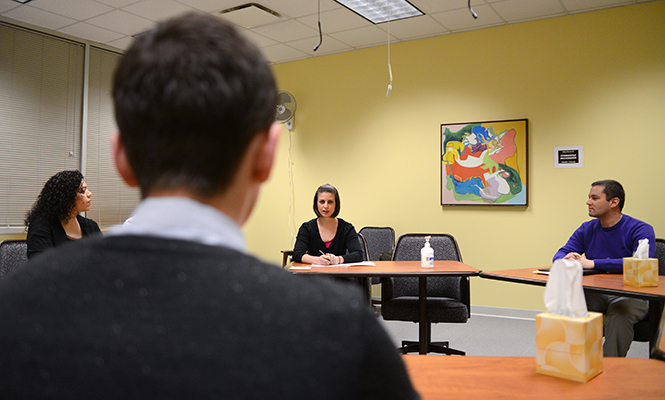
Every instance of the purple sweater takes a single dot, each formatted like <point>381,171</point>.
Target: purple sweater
<point>608,246</point>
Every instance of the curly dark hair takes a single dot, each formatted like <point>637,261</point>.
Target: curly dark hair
<point>57,199</point>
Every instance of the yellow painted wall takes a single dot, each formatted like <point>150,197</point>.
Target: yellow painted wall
<point>595,79</point>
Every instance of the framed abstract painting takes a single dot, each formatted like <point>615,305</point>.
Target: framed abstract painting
<point>484,163</point>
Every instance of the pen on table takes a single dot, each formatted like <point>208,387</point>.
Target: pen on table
<point>323,254</point>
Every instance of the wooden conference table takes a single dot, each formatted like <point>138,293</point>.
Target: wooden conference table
<point>396,269</point>
<point>450,378</point>
<point>601,283</point>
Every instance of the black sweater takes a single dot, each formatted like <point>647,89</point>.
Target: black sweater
<point>43,234</point>
<point>134,317</point>
<point>345,243</point>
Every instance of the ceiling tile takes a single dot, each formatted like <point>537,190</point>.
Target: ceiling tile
<point>35,16</point>
<point>157,10</point>
<point>296,9</point>
<point>6,5</point>
<point>122,43</point>
<point>328,45</point>
<point>92,32</point>
<point>462,20</point>
<point>520,10</point>
<point>282,53</point>
<point>260,40</point>
<point>335,20</point>
<point>212,5</point>
<point>76,9</point>
<point>123,22</point>
<point>286,31</point>
<point>117,3</point>
<point>114,21</point>
<point>416,27</point>
<point>580,5</point>
<point>363,37</point>
<point>436,6</point>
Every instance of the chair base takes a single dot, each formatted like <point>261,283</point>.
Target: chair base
<point>432,347</point>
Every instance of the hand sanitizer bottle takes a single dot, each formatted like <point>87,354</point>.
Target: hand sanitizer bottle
<point>427,255</point>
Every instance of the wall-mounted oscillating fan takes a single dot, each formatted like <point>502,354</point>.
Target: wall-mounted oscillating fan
<point>286,109</point>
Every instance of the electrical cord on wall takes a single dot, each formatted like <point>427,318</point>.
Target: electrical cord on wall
<point>291,193</point>
<point>390,69</point>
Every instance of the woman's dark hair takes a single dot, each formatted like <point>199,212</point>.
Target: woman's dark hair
<point>327,189</point>
<point>57,199</point>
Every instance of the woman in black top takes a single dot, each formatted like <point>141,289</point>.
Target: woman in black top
<point>327,239</point>
<point>54,218</point>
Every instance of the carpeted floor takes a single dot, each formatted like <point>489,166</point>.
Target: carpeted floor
<point>489,332</point>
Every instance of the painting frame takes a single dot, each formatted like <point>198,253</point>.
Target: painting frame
<point>485,163</point>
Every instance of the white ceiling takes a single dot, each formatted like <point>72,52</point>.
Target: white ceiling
<point>295,34</point>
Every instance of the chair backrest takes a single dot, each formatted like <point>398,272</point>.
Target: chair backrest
<point>380,241</point>
<point>13,255</point>
<point>409,245</point>
<point>660,255</point>
<point>363,246</point>
<point>445,248</point>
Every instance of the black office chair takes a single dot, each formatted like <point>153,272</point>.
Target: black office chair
<point>380,242</point>
<point>380,246</point>
<point>448,298</point>
<point>365,282</point>
<point>641,328</point>
<point>13,255</point>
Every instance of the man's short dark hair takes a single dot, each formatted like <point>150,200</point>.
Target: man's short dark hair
<point>189,98</point>
<point>327,188</point>
<point>612,189</point>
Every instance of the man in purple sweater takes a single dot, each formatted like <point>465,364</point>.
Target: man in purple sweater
<point>601,244</point>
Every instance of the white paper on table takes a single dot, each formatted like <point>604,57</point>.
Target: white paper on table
<point>359,264</point>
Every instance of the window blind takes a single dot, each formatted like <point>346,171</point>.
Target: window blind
<point>41,86</point>
<point>112,200</point>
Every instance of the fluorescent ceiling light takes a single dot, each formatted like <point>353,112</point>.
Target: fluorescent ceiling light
<point>22,1</point>
<point>378,11</point>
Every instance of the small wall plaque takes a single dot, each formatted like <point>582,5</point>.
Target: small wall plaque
<point>569,157</point>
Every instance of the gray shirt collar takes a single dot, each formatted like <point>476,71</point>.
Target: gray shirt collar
<point>183,218</point>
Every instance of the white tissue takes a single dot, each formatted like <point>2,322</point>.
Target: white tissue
<point>642,249</point>
<point>563,293</point>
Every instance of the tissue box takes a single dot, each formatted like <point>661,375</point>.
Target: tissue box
<point>570,348</point>
<point>640,271</point>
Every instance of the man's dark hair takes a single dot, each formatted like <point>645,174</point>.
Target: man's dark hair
<point>57,200</point>
<point>327,189</point>
<point>612,189</point>
<point>189,98</point>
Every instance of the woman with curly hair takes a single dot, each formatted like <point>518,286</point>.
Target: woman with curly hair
<point>54,218</point>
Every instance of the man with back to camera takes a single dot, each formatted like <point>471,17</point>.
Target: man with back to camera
<point>601,244</point>
<point>171,306</point>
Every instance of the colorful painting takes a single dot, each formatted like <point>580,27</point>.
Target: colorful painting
<point>484,163</point>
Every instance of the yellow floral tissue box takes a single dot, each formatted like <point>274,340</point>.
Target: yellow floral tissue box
<point>640,271</point>
<point>570,348</point>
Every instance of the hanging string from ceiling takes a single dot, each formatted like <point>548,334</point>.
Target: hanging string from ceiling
<point>390,70</point>
<point>475,16</point>
<point>320,33</point>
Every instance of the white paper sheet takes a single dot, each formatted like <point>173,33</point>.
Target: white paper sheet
<point>364,263</point>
